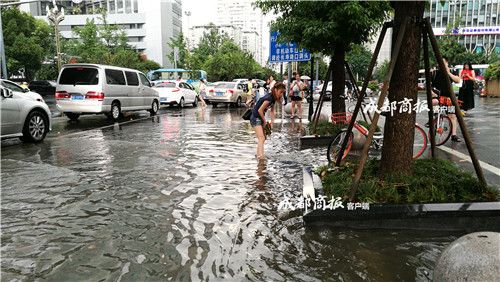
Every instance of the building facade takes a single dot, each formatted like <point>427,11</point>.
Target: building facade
<point>148,24</point>
<point>474,22</point>
<point>196,33</point>
<point>242,15</point>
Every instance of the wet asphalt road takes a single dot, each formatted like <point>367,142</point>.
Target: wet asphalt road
<point>180,197</point>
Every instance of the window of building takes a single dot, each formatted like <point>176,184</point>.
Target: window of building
<point>128,6</point>
<point>136,8</point>
<point>112,7</point>
<point>119,7</point>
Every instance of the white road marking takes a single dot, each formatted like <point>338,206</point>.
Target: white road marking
<point>484,165</point>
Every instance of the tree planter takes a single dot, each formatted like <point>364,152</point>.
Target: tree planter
<point>493,88</point>
<point>478,216</point>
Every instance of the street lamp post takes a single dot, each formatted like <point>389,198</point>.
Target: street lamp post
<point>2,51</point>
<point>56,16</point>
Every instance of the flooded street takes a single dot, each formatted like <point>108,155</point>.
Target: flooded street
<point>181,197</point>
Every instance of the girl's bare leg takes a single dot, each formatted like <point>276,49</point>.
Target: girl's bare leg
<point>259,131</point>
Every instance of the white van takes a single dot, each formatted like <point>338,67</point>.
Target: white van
<point>100,89</point>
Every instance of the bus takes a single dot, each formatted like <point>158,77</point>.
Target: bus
<point>189,76</point>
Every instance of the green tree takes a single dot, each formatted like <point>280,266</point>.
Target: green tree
<point>179,42</point>
<point>27,41</point>
<point>323,26</point>
<point>305,69</point>
<point>359,58</point>
<point>209,44</point>
<point>230,62</point>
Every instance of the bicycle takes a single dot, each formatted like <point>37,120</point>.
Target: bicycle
<point>442,123</point>
<point>419,143</point>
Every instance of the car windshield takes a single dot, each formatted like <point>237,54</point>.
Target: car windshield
<point>225,85</point>
<point>79,76</point>
<point>166,85</point>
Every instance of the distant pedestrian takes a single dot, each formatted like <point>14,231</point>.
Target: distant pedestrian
<point>258,117</point>
<point>203,92</point>
<point>285,82</point>
<point>297,95</point>
<point>466,92</point>
<point>271,83</point>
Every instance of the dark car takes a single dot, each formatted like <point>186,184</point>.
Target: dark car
<point>43,87</point>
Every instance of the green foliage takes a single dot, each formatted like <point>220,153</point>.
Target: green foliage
<point>381,70</point>
<point>359,58</point>
<point>373,85</point>
<point>433,181</point>
<point>326,128</point>
<point>305,69</point>
<point>27,41</point>
<point>320,26</point>
<point>179,42</point>
<point>492,72</point>
<point>222,59</point>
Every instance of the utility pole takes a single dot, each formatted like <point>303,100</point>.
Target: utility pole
<point>56,16</point>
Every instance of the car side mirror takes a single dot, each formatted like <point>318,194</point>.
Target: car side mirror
<point>26,90</point>
<point>6,93</point>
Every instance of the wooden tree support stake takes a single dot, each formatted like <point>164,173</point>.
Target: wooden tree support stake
<point>428,89</point>
<point>373,127</point>
<point>465,133</point>
<point>361,95</point>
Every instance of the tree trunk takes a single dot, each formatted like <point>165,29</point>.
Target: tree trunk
<point>399,129</point>
<point>338,83</point>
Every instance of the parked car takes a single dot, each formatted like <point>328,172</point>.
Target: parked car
<point>176,93</point>
<point>229,93</point>
<point>22,117</point>
<point>21,92</point>
<point>99,89</point>
<point>43,87</point>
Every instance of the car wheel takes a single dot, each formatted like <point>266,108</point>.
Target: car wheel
<point>35,127</point>
<point>238,102</point>
<point>72,116</point>
<point>116,112</point>
<point>214,105</point>
<point>182,104</point>
<point>195,103</point>
<point>154,108</point>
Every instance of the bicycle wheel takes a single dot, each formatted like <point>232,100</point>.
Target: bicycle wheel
<point>335,145</point>
<point>420,142</point>
<point>443,130</point>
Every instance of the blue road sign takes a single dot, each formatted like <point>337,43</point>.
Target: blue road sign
<point>286,52</point>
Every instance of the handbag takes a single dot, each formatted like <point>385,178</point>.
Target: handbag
<point>247,114</point>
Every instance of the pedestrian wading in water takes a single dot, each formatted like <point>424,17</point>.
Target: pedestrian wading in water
<point>258,118</point>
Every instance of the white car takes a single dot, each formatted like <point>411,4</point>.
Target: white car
<point>21,92</point>
<point>22,117</point>
<point>176,93</point>
<point>228,93</point>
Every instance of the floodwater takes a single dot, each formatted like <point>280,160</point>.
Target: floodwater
<point>180,197</point>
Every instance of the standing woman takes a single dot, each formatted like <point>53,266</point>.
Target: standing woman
<point>468,77</point>
<point>297,95</point>
<point>258,117</point>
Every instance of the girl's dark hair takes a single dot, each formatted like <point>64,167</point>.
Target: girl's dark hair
<point>278,86</point>
<point>470,65</point>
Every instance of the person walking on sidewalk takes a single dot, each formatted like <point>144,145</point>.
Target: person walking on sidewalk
<point>297,95</point>
<point>467,90</point>
<point>440,83</point>
<point>258,117</point>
